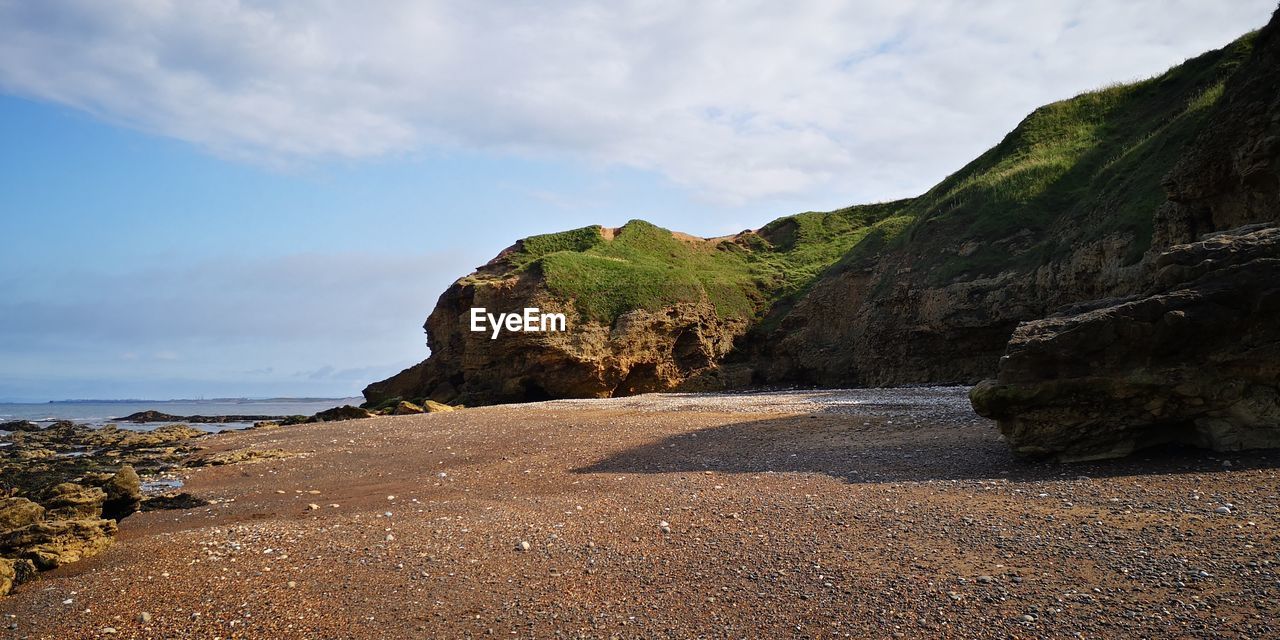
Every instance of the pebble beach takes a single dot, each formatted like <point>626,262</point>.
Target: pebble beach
<point>807,514</point>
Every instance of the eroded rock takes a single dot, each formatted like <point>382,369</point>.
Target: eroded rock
<point>124,494</point>
<point>71,501</point>
<point>405,408</point>
<point>13,572</point>
<point>345,412</point>
<point>55,543</point>
<point>18,512</point>
<point>1196,360</point>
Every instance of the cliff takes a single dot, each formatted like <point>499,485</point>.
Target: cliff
<point>1075,204</point>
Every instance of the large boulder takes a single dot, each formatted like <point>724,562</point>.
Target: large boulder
<point>124,494</point>
<point>55,543</point>
<point>406,408</point>
<point>1196,360</point>
<point>18,512</point>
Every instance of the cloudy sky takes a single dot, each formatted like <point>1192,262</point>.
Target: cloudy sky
<point>250,198</point>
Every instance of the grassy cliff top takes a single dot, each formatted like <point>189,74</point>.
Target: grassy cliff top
<point>1075,169</point>
<point>643,266</point>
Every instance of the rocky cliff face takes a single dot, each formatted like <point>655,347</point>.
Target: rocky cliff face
<point>1196,360</point>
<point>1072,206</point>
<point>639,351</point>
<point>1075,204</point>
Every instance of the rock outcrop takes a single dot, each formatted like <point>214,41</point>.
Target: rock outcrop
<point>70,501</point>
<point>63,488</point>
<point>345,412</point>
<point>646,309</point>
<point>53,543</point>
<point>124,494</point>
<point>1196,361</point>
<point>19,512</point>
<point>14,572</point>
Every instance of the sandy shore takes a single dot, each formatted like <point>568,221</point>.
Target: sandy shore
<point>816,514</point>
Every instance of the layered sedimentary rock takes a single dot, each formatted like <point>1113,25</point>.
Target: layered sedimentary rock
<point>1196,360</point>
<point>53,543</point>
<point>641,351</point>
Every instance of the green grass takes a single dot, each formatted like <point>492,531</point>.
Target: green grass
<point>647,267</point>
<point>1098,157</point>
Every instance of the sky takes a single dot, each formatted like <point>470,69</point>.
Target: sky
<point>240,198</point>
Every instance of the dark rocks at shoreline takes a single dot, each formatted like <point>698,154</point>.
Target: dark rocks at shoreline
<point>143,417</point>
<point>1195,361</point>
<point>20,425</point>
<point>345,412</point>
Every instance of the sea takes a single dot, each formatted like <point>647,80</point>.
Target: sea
<point>102,412</point>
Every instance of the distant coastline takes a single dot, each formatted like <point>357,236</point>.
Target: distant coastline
<point>186,400</point>
<point>102,412</point>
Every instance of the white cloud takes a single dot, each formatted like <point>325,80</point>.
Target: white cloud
<point>735,100</point>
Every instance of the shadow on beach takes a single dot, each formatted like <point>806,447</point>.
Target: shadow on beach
<point>912,446</point>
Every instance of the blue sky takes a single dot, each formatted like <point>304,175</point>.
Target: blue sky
<point>249,199</point>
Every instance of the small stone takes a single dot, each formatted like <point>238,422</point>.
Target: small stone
<point>108,631</point>
<point>390,538</point>
<point>291,584</point>
<point>664,526</point>
<point>523,546</point>
<point>1026,617</point>
<point>144,617</point>
<point>986,579</point>
<point>1224,510</point>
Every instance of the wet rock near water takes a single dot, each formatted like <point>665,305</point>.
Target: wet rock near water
<point>143,417</point>
<point>124,494</point>
<point>20,425</point>
<point>172,501</point>
<point>64,487</point>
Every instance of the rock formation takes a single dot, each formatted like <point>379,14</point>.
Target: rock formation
<point>123,494</point>
<point>57,508</point>
<point>1078,203</point>
<point>52,543</point>
<point>1195,361</point>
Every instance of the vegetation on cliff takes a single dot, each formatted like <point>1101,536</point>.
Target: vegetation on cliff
<point>642,266</point>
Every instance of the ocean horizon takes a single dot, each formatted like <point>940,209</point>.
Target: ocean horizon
<point>101,412</point>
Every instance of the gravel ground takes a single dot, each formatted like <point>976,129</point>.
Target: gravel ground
<point>867,513</point>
